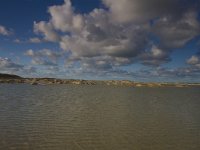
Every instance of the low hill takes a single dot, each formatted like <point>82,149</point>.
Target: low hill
<point>9,76</point>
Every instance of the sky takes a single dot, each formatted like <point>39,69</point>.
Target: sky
<point>138,40</point>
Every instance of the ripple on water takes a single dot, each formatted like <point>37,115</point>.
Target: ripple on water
<point>60,117</point>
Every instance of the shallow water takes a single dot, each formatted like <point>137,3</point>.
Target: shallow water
<point>68,117</point>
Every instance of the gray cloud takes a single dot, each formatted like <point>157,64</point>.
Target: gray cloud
<point>119,36</point>
<point>93,34</point>
<point>176,33</point>
<point>140,11</point>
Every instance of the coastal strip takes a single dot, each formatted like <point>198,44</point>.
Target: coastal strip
<point>14,79</point>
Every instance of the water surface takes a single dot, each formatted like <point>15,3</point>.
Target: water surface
<point>68,117</point>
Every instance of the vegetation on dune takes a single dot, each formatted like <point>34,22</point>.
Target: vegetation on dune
<point>9,76</point>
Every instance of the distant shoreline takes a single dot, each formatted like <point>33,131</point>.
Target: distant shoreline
<point>14,79</point>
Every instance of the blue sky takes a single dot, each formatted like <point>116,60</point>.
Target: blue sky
<point>137,40</point>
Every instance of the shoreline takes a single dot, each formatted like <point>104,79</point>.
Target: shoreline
<point>125,83</point>
<point>15,79</point>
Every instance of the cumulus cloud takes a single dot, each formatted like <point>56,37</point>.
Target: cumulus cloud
<point>176,33</point>
<point>155,56</point>
<point>6,63</point>
<point>47,30</point>
<point>8,66</point>
<point>190,72</point>
<point>124,11</point>
<point>91,34</point>
<point>64,19</point>
<point>44,57</point>
<point>4,31</point>
<point>194,61</point>
<point>187,74</point>
<point>120,35</point>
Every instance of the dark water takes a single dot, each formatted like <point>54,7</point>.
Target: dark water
<point>64,117</point>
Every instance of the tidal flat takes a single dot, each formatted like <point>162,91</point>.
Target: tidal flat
<point>85,117</point>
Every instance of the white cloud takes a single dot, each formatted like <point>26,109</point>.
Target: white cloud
<point>35,40</point>
<point>30,52</point>
<point>7,63</point>
<point>155,56</point>
<point>44,57</point>
<point>64,19</point>
<point>8,66</point>
<point>193,60</point>
<point>17,41</point>
<point>119,36</point>
<point>47,30</point>
<point>5,31</point>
